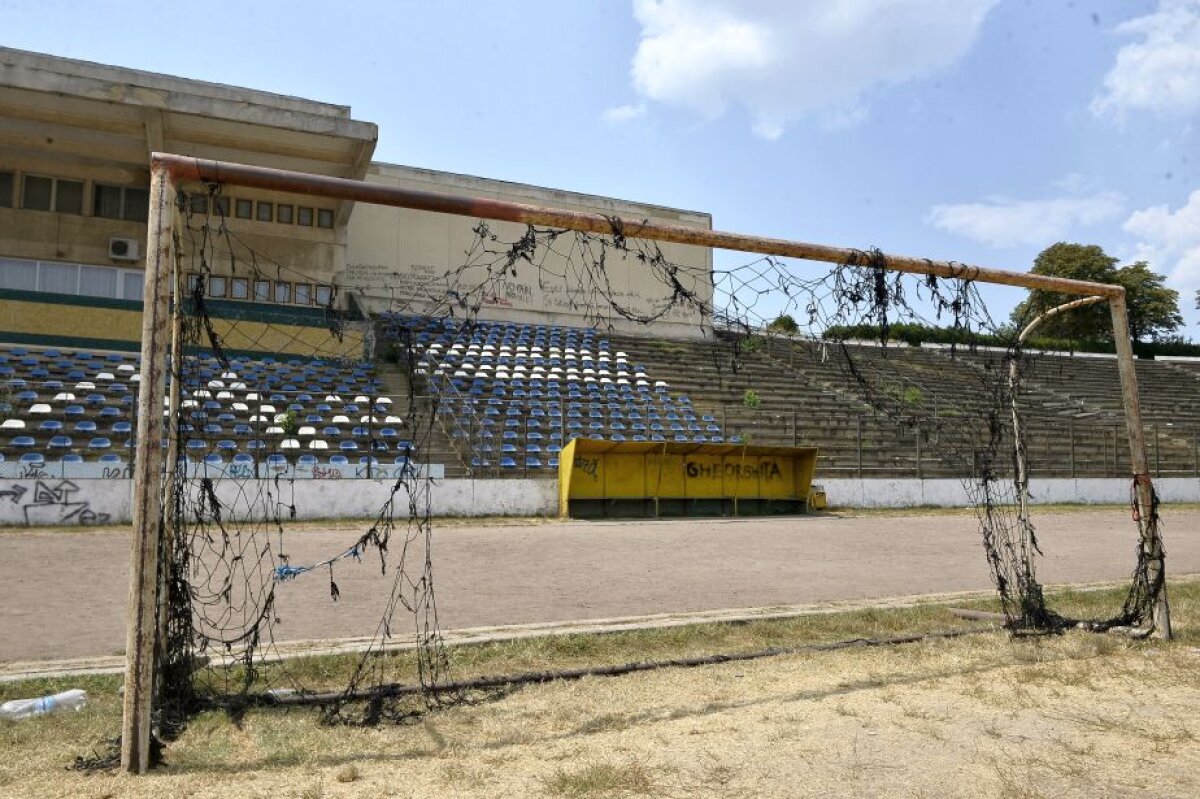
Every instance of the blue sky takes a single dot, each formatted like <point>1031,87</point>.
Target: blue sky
<point>974,130</point>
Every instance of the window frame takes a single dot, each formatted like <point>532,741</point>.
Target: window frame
<point>125,204</point>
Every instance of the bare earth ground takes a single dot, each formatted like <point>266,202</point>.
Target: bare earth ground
<point>63,593</point>
<point>1080,715</point>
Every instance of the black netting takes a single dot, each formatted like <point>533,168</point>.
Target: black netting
<point>234,509</point>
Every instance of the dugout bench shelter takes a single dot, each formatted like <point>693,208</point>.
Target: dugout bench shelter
<point>652,479</point>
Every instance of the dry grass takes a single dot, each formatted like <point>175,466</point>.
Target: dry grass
<point>1074,715</point>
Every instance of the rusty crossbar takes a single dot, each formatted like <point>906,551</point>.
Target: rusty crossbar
<point>187,168</point>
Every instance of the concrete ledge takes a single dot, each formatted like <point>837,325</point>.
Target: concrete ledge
<point>949,493</point>
<point>54,502</point>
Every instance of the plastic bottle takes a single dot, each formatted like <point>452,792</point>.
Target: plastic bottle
<point>24,708</point>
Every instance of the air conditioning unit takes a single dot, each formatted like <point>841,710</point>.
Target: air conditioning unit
<point>123,249</point>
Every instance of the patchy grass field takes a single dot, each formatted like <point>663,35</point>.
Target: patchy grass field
<point>979,716</point>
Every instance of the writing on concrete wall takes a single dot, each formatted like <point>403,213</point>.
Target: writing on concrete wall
<point>52,502</point>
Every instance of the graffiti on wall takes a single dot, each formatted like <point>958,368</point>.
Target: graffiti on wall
<point>51,502</point>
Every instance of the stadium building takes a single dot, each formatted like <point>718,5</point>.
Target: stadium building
<point>75,139</point>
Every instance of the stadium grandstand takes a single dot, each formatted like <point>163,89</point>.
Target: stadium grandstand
<point>506,391</point>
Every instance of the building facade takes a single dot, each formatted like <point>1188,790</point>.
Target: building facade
<point>75,140</point>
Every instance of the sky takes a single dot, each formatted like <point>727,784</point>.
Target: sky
<point>979,131</point>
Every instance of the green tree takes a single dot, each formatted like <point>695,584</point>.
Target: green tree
<point>784,323</point>
<point>1153,308</point>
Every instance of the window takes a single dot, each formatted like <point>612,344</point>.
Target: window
<point>137,205</point>
<point>216,286</point>
<point>198,203</point>
<point>59,278</point>
<point>304,216</point>
<point>98,281</point>
<point>38,193</point>
<point>193,280</point>
<point>324,294</point>
<point>68,196</point>
<point>7,181</point>
<point>283,292</point>
<point>303,294</point>
<point>283,215</point>
<point>120,202</point>
<point>221,206</point>
<point>244,209</point>
<point>239,288</point>
<point>324,217</point>
<point>266,212</point>
<point>52,194</point>
<point>262,291</point>
<point>20,275</point>
<point>132,284</point>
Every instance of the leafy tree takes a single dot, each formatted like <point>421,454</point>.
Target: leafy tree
<point>1153,308</point>
<point>784,323</point>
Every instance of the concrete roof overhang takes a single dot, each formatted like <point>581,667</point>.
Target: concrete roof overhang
<point>59,110</point>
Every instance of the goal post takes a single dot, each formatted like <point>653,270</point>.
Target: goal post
<point>170,172</point>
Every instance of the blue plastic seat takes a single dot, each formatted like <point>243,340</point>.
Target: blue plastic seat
<point>110,457</point>
<point>339,460</point>
<point>61,442</point>
<point>99,443</point>
<point>30,458</point>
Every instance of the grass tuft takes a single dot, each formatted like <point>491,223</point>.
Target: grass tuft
<point>597,780</point>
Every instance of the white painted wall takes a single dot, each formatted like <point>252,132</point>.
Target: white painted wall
<point>946,493</point>
<point>53,501</point>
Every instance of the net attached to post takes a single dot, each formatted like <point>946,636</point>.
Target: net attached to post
<point>272,403</point>
<point>281,408</point>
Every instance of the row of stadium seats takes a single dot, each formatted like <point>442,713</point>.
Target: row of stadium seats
<point>513,394</point>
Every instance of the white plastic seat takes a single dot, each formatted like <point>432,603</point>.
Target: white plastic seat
<point>12,424</point>
<point>289,443</point>
<point>318,443</point>
<point>340,419</point>
<point>39,407</point>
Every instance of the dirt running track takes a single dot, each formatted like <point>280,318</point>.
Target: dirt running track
<point>63,593</point>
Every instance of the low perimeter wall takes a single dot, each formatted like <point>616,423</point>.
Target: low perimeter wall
<point>949,493</point>
<point>55,501</point>
<point>49,501</point>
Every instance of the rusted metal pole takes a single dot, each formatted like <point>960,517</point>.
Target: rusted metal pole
<point>142,620</point>
<point>1151,540</point>
<point>186,168</point>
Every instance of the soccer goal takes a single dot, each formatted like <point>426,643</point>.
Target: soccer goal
<point>262,409</point>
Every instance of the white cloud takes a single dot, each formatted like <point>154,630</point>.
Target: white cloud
<point>1005,223</point>
<point>619,115</point>
<point>783,59</point>
<point>1170,240</point>
<point>1160,72</point>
